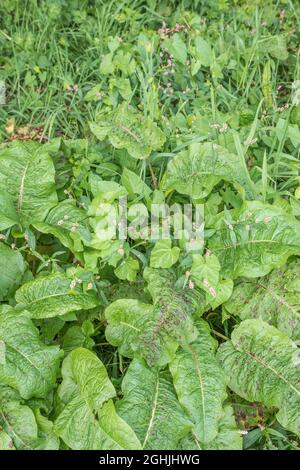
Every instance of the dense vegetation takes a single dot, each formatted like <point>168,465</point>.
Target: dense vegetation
<point>139,342</point>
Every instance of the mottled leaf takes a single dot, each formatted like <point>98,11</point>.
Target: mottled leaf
<point>200,383</point>
<point>129,129</point>
<point>265,236</point>
<point>134,327</point>
<point>88,420</point>
<point>198,169</point>
<point>151,408</point>
<point>28,366</point>
<point>274,298</point>
<point>27,175</point>
<point>53,295</point>
<point>263,365</point>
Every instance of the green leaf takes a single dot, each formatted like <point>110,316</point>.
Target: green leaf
<point>176,307</point>
<point>151,408</point>
<point>27,175</point>
<point>25,429</point>
<point>74,338</point>
<point>134,327</point>
<point>163,255</point>
<point>291,132</point>
<point>5,441</point>
<point>134,184</point>
<point>53,295</point>
<point>128,269</point>
<point>8,212</point>
<point>228,438</point>
<point>200,383</point>
<point>67,223</point>
<point>88,420</point>
<point>177,48</point>
<point>205,268</point>
<point>124,62</point>
<point>29,365</point>
<point>262,365</point>
<point>265,237</point>
<point>205,272</point>
<point>47,439</point>
<point>12,268</point>
<point>123,87</point>
<point>274,298</point>
<point>198,169</point>
<point>107,67</point>
<point>128,129</point>
<point>19,423</point>
<point>94,94</point>
<point>203,51</point>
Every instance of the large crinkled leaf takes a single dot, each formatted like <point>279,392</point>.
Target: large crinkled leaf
<point>53,295</point>
<point>198,169</point>
<point>88,420</point>
<point>176,307</point>
<point>12,268</point>
<point>67,222</point>
<point>260,238</point>
<point>26,363</point>
<point>200,383</point>
<point>263,365</point>
<point>274,298</point>
<point>27,174</point>
<point>228,438</point>
<point>133,327</point>
<point>25,430</point>
<point>151,408</point>
<point>128,129</point>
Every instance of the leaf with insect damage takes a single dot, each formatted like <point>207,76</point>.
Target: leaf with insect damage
<point>274,298</point>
